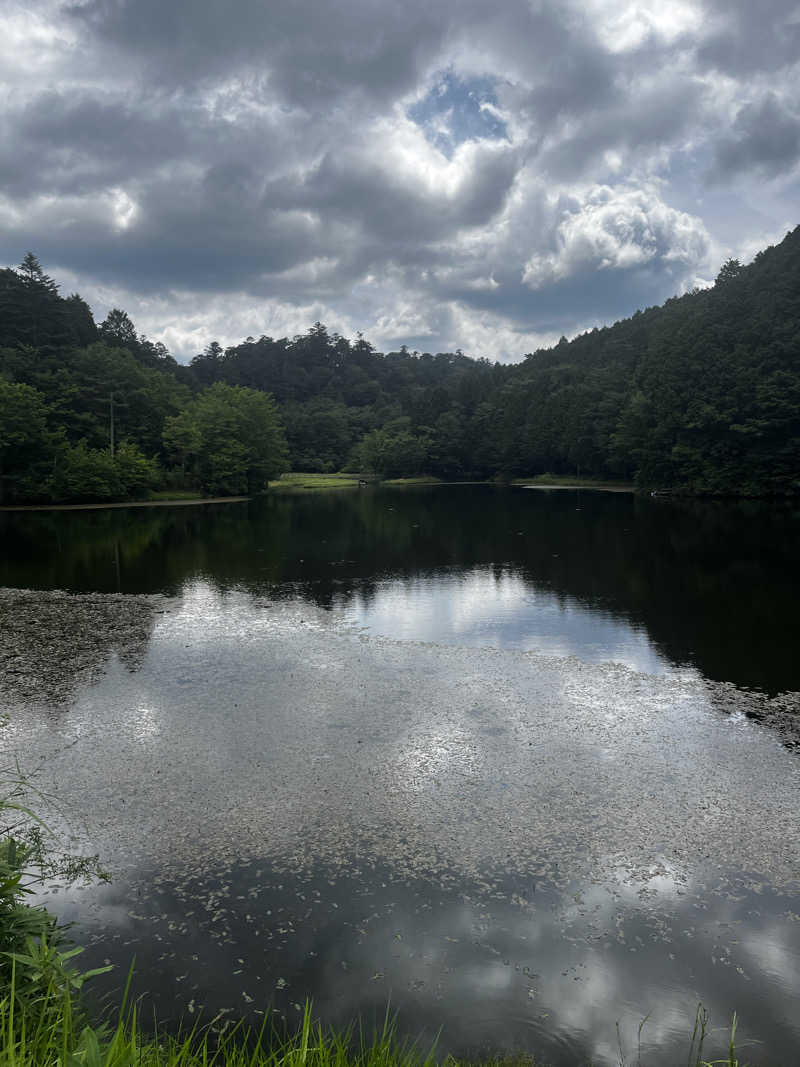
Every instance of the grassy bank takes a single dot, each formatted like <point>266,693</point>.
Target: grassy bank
<point>422,479</point>
<point>572,482</point>
<point>67,1041</point>
<point>57,1035</point>
<point>296,480</point>
<point>175,494</point>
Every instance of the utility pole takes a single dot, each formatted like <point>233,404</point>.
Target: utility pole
<point>111,406</point>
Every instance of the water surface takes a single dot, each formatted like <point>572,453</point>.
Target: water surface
<point>470,750</point>
<point>653,583</point>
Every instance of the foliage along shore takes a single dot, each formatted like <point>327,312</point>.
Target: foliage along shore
<point>312,482</point>
<point>700,396</point>
<point>168,501</point>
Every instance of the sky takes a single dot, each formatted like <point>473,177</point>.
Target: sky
<point>436,173</point>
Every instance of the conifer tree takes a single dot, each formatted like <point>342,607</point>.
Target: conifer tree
<point>32,275</point>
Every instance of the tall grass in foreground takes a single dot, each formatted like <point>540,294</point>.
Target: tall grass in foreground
<point>24,1042</point>
<point>59,1037</point>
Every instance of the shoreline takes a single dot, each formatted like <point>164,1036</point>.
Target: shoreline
<point>325,482</point>
<point>583,485</point>
<point>127,504</point>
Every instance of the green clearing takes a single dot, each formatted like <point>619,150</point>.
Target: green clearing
<point>296,480</point>
<point>422,479</point>
<point>573,482</point>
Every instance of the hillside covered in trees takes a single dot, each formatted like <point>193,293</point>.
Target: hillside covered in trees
<point>700,395</point>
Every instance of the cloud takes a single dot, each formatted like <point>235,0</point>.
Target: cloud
<point>308,53</point>
<point>459,172</point>
<point>399,192</point>
<point>618,230</point>
<point>744,38</point>
<point>65,142</point>
<point>632,128</point>
<point>765,137</point>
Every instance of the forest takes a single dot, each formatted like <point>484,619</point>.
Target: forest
<point>700,395</point>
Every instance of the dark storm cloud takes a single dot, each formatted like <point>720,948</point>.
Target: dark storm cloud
<point>311,53</point>
<point>59,142</point>
<point>539,44</point>
<point>747,36</point>
<point>765,137</point>
<point>577,81</point>
<point>395,209</point>
<point>226,228</point>
<point>656,115</point>
<point>603,296</point>
<point>185,234</point>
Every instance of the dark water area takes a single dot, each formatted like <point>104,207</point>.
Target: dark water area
<point>706,583</point>
<point>524,966</point>
<point>476,753</point>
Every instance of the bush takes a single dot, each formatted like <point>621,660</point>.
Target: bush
<point>85,473</point>
<point>36,971</point>
<point>137,474</point>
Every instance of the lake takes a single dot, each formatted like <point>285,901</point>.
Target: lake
<point>519,763</point>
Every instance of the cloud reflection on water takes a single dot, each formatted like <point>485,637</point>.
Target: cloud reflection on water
<point>483,607</point>
<point>487,805</point>
<point>502,970</point>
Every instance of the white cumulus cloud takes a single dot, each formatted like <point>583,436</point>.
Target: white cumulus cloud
<point>618,229</point>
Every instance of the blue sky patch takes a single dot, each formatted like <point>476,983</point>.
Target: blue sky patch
<point>457,110</point>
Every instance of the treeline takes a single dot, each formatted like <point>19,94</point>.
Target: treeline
<point>701,395</point>
<point>98,412</point>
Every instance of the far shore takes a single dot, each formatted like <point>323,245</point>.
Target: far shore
<point>298,482</point>
<point>599,486</point>
<point>102,505</point>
